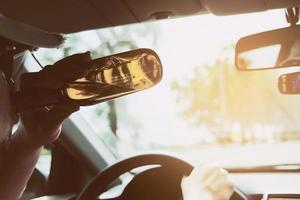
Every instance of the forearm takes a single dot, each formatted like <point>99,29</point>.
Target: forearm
<point>17,166</point>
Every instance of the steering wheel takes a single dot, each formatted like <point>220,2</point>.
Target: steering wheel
<point>160,182</point>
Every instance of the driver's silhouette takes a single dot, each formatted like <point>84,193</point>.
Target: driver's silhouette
<point>20,151</point>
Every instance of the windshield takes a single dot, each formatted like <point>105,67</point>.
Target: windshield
<point>204,110</point>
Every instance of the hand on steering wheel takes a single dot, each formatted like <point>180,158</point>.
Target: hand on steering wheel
<point>161,182</point>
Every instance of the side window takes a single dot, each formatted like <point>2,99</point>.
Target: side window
<point>103,119</point>
<point>37,184</point>
<point>44,162</point>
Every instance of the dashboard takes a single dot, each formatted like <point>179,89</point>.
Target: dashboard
<point>268,186</point>
<point>256,186</point>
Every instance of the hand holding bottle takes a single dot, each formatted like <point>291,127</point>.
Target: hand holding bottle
<point>40,126</point>
<point>69,80</point>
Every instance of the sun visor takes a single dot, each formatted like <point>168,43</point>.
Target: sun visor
<point>230,7</point>
<point>29,35</point>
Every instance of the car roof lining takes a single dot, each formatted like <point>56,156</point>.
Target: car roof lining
<point>91,14</point>
<point>69,16</point>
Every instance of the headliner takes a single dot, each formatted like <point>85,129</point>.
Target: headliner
<point>67,16</point>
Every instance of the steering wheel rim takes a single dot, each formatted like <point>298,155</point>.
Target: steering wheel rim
<point>99,183</point>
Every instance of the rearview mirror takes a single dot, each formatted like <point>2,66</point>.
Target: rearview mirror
<point>268,50</point>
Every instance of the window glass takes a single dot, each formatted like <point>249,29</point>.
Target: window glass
<point>204,110</point>
<point>44,162</point>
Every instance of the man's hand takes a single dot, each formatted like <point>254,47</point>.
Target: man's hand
<point>207,183</point>
<point>41,126</point>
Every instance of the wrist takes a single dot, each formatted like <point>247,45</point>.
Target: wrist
<point>20,148</point>
<point>17,165</point>
<point>23,138</point>
<point>4,146</point>
<point>38,137</point>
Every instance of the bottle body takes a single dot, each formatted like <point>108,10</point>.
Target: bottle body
<point>107,78</point>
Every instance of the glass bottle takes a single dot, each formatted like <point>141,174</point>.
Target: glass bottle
<point>108,78</point>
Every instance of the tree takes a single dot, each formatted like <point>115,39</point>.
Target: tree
<point>220,97</point>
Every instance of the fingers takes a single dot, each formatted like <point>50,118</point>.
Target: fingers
<point>54,76</point>
<point>58,113</point>
<point>47,120</point>
<point>31,80</point>
<point>42,126</point>
<point>212,175</point>
<point>80,59</point>
<point>208,182</point>
<point>220,186</point>
<point>69,68</point>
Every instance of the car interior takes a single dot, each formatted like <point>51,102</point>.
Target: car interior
<point>89,160</point>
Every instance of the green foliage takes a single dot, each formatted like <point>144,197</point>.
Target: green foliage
<point>220,97</point>
<point>45,152</point>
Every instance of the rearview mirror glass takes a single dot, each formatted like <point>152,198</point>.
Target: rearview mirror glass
<point>289,83</point>
<point>269,50</point>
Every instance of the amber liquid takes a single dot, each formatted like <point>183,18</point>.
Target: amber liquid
<point>116,76</point>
